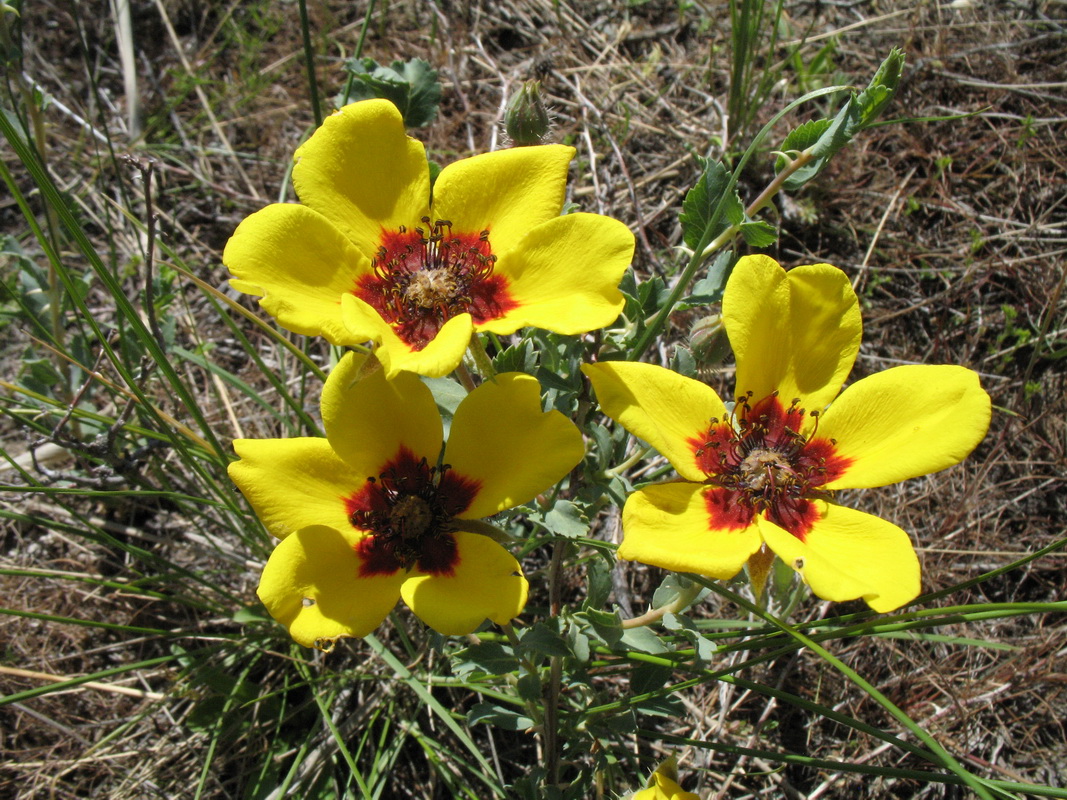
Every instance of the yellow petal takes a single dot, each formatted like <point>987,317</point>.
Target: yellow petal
<point>663,788</point>
<point>369,418</point>
<point>361,321</point>
<point>486,583</point>
<point>848,554</point>
<point>905,422</point>
<point>301,265</point>
<point>501,439</point>
<point>565,274</point>
<point>796,332</point>
<point>362,172</point>
<point>507,192</point>
<point>669,411</point>
<point>671,526</point>
<point>435,360</point>
<point>293,483</point>
<point>312,585</point>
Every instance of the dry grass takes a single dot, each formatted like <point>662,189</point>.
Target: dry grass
<point>955,233</point>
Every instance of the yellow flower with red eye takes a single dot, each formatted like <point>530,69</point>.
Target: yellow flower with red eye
<point>758,478</point>
<point>369,255</point>
<point>380,510</point>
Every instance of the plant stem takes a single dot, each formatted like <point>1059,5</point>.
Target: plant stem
<point>555,674</point>
<point>705,248</point>
<point>309,57</point>
<point>359,50</point>
<point>481,358</point>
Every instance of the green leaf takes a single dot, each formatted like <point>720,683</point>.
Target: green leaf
<point>758,233</point>
<point>822,139</point>
<point>683,362</point>
<point>605,444</point>
<point>578,641</point>
<point>651,294</point>
<point>490,658</point>
<point>604,625</point>
<point>649,678</point>
<point>598,575</point>
<point>709,289</point>
<point>550,379</point>
<point>517,358</point>
<point>883,85</point>
<point>542,639</point>
<point>705,648</point>
<point>672,587</point>
<point>447,394</point>
<point>411,86</point>
<point>701,207</point>
<point>250,614</point>
<point>834,136</point>
<point>506,718</point>
<point>643,639</point>
<point>566,519</point>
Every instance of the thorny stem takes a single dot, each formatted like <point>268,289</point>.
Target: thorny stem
<point>705,248</point>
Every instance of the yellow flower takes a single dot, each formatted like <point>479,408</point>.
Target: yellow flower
<point>377,510</point>
<point>370,257</point>
<point>663,785</point>
<point>763,472</point>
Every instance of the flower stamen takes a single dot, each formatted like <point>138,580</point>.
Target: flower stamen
<point>421,278</point>
<point>408,512</point>
<point>766,465</point>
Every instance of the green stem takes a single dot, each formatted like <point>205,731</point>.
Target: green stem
<point>552,686</point>
<point>359,49</point>
<point>932,744</point>
<point>481,358</point>
<point>706,246</point>
<point>652,331</point>
<point>309,57</point>
<point>680,603</point>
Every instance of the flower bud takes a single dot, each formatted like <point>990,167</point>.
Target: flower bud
<point>708,342</point>
<point>526,118</point>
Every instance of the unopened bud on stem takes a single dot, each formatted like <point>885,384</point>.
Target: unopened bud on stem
<point>526,118</point>
<point>707,340</point>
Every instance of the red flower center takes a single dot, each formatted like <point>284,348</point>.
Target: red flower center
<point>424,277</point>
<point>409,511</point>
<point>761,463</point>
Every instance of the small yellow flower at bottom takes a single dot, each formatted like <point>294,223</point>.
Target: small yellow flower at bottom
<point>662,785</point>
<point>376,511</point>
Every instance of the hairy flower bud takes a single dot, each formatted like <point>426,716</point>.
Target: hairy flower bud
<point>526,119</point>
<point>707,340</point>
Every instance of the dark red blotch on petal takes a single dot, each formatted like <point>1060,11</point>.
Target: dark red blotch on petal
<point>408,512</point>
<point>424,277</point>
<point>727,509</point>
<point>763,464</point>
